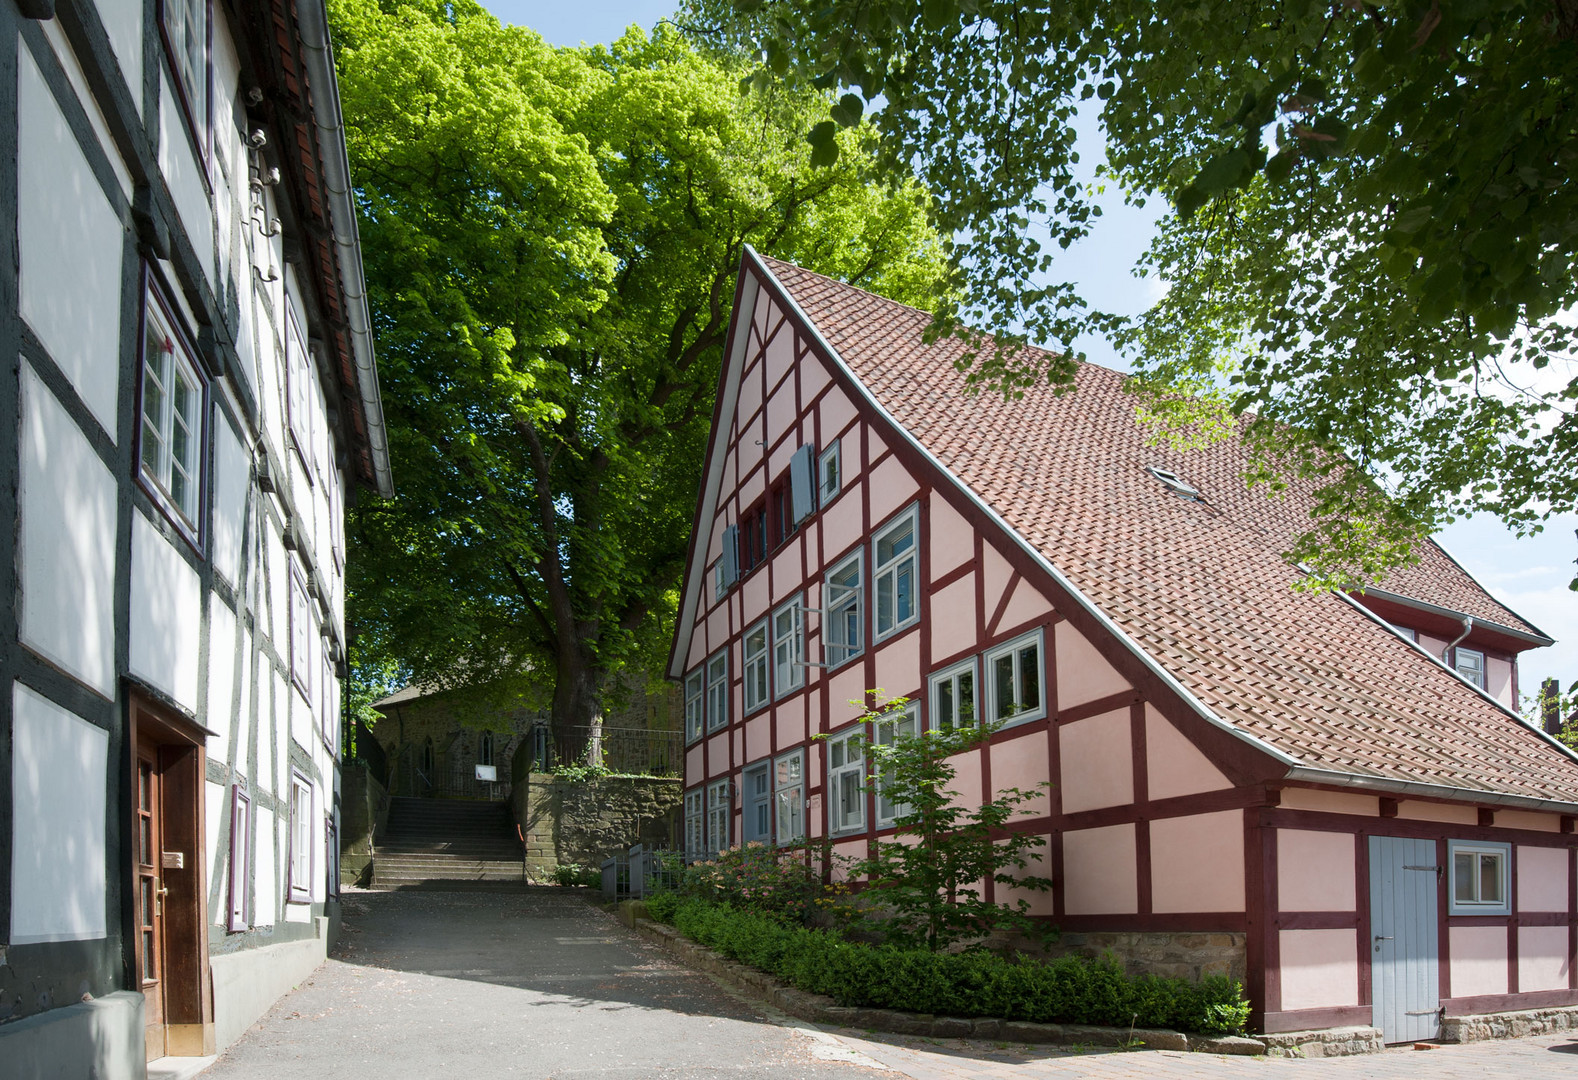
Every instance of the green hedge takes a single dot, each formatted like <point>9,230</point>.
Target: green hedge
<point>1069,990</point>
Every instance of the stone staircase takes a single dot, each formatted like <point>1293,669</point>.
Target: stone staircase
<point>447,844</point>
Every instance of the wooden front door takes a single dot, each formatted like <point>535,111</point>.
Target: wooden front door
<point>169,894</point>
<point>150,895</point>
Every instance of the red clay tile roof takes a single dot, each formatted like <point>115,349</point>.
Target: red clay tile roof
<point>1201,587</point>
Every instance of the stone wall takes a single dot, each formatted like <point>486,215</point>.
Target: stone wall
<point>1175,954</point>
<point>588,821</point>
<point>364,807</point>
<point>1509,1025</point>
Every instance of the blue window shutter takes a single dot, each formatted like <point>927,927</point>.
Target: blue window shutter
<point>731,555</point>
<point>802,481</point>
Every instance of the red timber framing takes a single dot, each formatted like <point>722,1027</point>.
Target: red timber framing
<point>783,366</point>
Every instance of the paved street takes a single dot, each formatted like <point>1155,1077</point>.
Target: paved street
<point>543,986</point>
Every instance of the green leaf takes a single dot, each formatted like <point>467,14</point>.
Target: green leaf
<point>1188,200</point>
<point>1224,171</point>
<point>848,110</point>
<point>1413,219</point>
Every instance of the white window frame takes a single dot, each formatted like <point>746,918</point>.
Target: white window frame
<point>695,703</point>
<point>1457,665</point>
<point>906,722</point>
<point>1407,632</point>
<point>840,823</point>
<point>836,652</point>
<point>175,359</point>
<point>337,519</point>
<point>240,870</point>
<point>950,676</point>
<point>327,713</point>
<point>827,488</point>
<point>789,647</point>
<point>1479,849</point>
<point>1012,649</point>
<point>892,570</point>
<point>298,399</point>
<point>756,797</point>
<point>300,855</point>
<point>789,798</point>
<point>719,810</point>
<point>191,71</point>
<point>753,667</point>
<point>720,581</point>
<point>695,825</point>
<point>300,633</point>
<point>717,681</point>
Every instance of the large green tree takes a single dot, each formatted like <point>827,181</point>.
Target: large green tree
<point>1371,259</point>
<point>551,238</point>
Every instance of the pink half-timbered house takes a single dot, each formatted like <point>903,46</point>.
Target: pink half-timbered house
<point>1329,795</point>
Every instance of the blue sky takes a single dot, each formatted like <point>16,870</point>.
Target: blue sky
<point>1529,575</point>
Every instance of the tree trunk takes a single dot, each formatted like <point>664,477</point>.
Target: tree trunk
<point>577,706</point>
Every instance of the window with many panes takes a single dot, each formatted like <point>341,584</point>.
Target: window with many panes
<point>894,572</point>
<point>757,800</point>
<point>171,433</point>
<point>829,475</point>
<point>953,702</point>
<point>889,729</point>
<point>754,667</point>
<point>789,794</point>
<point>846,781</point>
<point>841,630</point>
<point>301,635</point>
<point>694,700</point>
<point>789,647</point>
<point>1013,680</point>
<point>753,538</point>
<point>328,703</point>
<point>695,826</point>
<point>301,825</point>
<point>185,24</point>
<point>299,396</point>
<point>781,503</point>
<point>1480,877</point>
<point>718,690</point>
<point>1470,664</point>
<point>718,816</point>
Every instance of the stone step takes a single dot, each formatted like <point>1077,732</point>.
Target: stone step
<point>394,864</point>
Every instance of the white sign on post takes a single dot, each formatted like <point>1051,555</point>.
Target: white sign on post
<point>490,773</point>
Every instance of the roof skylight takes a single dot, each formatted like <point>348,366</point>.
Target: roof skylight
<point>1171,481</point>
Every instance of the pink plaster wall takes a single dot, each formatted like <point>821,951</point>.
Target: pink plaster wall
<point>898,665</point>
<point>1542,878</point>
<point>892,487</point>
<point>791,724</point>
<point>787,574</point>
<point>1320,968</point>
<point>842,524</point>
<point>1197,863</point>
<point>1096,762</point>
<point>996,573</point>
<point>1498,679</point>
<point>966,784</point>
<point>1526,819</point>
<point>693,763</point>
<point>1027,604</point>
<point>813,376</point>
<point>758,738</point>
<point>1082,673</point>
<point>1040,900</point>
<point>1099,871</point>
<point>1316,871</point>
<point>834,412</point>
<point>1330,802</point>
<point>718,755</point>
<point>1543,961</point>
<point>846,694</point>
<point>953,618</point>
<point>1022,763</point>
<point>1479,960</point>
<point>1174,766</point>
<point>1447,812</point>
<point>952,540</point>
<point>750,391</point>
<point>843,854</point>
<point>780,355</point>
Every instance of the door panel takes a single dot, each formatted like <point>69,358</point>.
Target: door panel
<point>1405,963</point>
<point>150,897</point>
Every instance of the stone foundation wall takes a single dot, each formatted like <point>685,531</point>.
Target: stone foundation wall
<point>1509,1025</point>
<point>1174,954</point>
<point>364,807</point>
<point>590,821</point>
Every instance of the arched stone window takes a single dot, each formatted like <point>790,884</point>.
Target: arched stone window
<point>485,748</point>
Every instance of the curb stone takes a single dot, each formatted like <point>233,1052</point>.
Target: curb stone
<point>821,1009</point>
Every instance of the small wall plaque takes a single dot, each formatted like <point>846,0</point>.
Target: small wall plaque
<point>174,860</point>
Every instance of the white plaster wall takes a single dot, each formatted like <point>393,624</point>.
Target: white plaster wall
<point>216,808</point>
<point>67,557</point>
<point>265,888</point>
<point>278,622</point>
<point>183,172</point>
<point>244,735</point>
<point>123,24</point>
<point>221,677</point>
<point>166,613</point>
<point>232,472</point>
<point>59,773</point>
<point>71,246</point>
<point>301,718</point>
<point>69,63</point>
<point>281,733</point>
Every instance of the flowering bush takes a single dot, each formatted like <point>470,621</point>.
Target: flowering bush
<point>785,883</point>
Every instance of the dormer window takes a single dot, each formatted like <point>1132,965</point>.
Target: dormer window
<point>1470,664</point>
<point>1171,481</point>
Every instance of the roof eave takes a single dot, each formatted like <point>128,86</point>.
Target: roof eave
<point>1534,640</point>
<point>1420,789</point>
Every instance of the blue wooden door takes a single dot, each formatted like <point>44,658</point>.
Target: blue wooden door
<point>1405,961</point>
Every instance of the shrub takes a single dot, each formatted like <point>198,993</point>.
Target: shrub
<point>1070,990</point>
<point>577,874</point>
<point>785,883</point>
